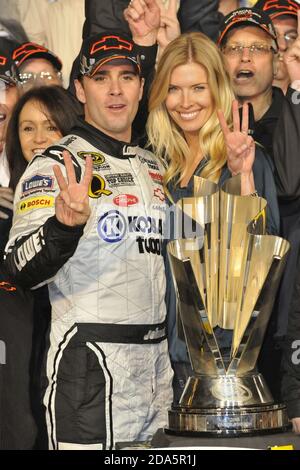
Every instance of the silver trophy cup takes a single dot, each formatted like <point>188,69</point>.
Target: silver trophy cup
<point>226,281</point>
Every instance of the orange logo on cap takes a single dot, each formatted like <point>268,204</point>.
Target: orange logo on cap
<point>26,50</point>
<point>3,60</point>
<point>274,4</point>
<point>101,45</point>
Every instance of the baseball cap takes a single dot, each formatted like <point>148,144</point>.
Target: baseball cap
<point>247,17</point>
<point>7,69</point>
<point>276,8</point>
<point>31,50</point>
<point>104,47</point>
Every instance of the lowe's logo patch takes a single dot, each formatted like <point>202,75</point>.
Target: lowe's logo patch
<point>37,182</point>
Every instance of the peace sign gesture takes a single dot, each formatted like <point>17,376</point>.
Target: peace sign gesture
<point>169,24</point>
<point>239,145</point>
<point>72,204</point>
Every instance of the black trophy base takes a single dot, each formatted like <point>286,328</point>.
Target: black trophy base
<point>228,422</point>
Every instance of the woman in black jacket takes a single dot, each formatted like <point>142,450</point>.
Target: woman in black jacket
<point>41,117</point>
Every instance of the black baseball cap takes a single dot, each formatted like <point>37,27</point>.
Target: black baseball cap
<point>104,47</point>
<point>246,17</point>
<point>31,50</point>
<point>276,8</point>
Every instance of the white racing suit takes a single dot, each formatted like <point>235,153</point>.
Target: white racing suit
<point>108,370</point>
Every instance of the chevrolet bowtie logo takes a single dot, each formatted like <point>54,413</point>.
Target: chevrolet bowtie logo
<point>110,42</point>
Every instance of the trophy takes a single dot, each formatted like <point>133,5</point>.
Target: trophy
<point>225,281</point>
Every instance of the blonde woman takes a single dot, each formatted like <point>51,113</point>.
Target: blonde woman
<point>188,130</point>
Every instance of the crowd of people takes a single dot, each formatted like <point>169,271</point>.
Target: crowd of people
<point>158,92</point>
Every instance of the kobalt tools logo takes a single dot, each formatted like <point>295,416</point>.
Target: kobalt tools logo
<point>113,226</point>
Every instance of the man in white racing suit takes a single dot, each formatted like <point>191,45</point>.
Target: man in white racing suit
<point>89,216</point>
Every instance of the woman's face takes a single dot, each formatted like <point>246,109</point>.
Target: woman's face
<point>36,130</point>
<point>189,101</point>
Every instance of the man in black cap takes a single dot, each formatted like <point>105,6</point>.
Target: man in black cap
<point>36,66</point>
<point>108,369</point>
<point>248,42</point>
<point>283,14</point>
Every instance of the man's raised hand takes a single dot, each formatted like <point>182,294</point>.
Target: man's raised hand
<point>72,204</point>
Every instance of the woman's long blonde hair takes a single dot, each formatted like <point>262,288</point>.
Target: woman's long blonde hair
<point>165,136</point>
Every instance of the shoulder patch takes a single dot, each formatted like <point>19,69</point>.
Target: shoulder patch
<point>37,182</point>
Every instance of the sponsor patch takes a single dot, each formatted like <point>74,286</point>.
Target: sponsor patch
<point>152,164</point>
<point>150,245</point>
<point>125,200</point>
<point>98,159</point>
<point>97,187</point>
<point>35,203</point>
<point>113,226</point>
<point>120,179</point>
<point>157,177</point>
<point>158,192</point>
<point>37,182</point>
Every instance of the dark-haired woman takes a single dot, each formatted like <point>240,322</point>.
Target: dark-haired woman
<point>40,118</point>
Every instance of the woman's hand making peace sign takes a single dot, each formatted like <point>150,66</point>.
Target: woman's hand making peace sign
<point>240,147</point>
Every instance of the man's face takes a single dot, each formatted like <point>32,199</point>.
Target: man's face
<point>8,98</point>
<point>251,73</point>
<point>111,98</point>
<point>286,31</point>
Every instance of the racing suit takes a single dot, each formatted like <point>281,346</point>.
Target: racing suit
<point>108,370</point>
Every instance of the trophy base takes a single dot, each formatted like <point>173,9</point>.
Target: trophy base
<point>228,422</point>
